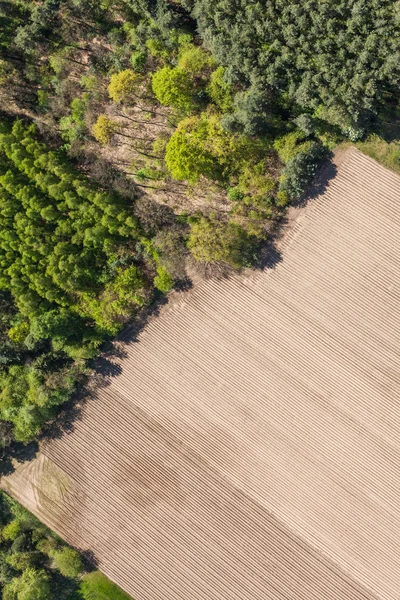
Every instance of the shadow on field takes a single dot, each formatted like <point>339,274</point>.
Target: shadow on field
<point>16,452</point>
<point>324,175</point>
<point>270,254</point>
<point>108,365</point>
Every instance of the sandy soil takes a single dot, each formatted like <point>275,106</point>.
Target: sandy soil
<point>248,445</point>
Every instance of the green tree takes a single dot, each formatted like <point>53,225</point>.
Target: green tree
<point>31,585</point>
<point>68,561</point>
<point>124,86</point>
<point>211,240</point>
<point>173,87</point>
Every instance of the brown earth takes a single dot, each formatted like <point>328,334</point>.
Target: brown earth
<point>248,445</point>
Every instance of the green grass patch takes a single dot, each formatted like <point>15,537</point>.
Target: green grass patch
<point>386,153</point>
<point>96,586</point>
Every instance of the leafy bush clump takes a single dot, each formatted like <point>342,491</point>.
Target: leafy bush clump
<point>211,240</point>
<point>124,85</point>
<point>301,169</point>
<point>173,87</point>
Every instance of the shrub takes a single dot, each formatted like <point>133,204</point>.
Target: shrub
<point>69,562</point>
<point>300,170</point>
<point>104,129</point>
<point>234,194</point>
<point>163,280</point>
<point>138,61</point>
<point>124,85</point>
<point>173,87</point>
<point>213,241</point>
<point>221,92</point>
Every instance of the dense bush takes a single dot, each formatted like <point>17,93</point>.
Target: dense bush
<point>300,170</point>
<point>67,252</point>
<point>212,241</point>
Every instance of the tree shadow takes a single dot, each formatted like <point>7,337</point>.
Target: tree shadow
<point>108,365</point>
<point>270,255</point>
<point>387,123</point>
<point>319,185</point>
<point>16,452</point>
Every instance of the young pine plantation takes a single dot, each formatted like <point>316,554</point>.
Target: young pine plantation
<point>142,140</point>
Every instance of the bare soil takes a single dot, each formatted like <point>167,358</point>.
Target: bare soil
<point>247,446</point>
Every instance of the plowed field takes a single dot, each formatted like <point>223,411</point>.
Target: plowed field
<point>250,447</point>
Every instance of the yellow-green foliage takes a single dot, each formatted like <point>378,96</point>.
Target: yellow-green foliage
<point>124,85</point>
<point>195,61</point>
<point>211,240</point>
<point>200,146</point>
<point>104,129</point>
<point>173,87</point>
<point>163,281</point>
<point>289,145</point>
<point>18,333</point>
<point>220,91</point>
<point>11,530</point>
<point>388,154</point>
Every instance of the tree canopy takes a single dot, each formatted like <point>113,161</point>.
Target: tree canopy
<point>339,59</point>
<point>68,276</point>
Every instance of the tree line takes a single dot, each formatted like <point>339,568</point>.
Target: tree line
<point>138,137</point>
<point>35,564</point>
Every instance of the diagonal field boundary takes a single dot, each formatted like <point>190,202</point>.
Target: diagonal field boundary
<point>250,446</point>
